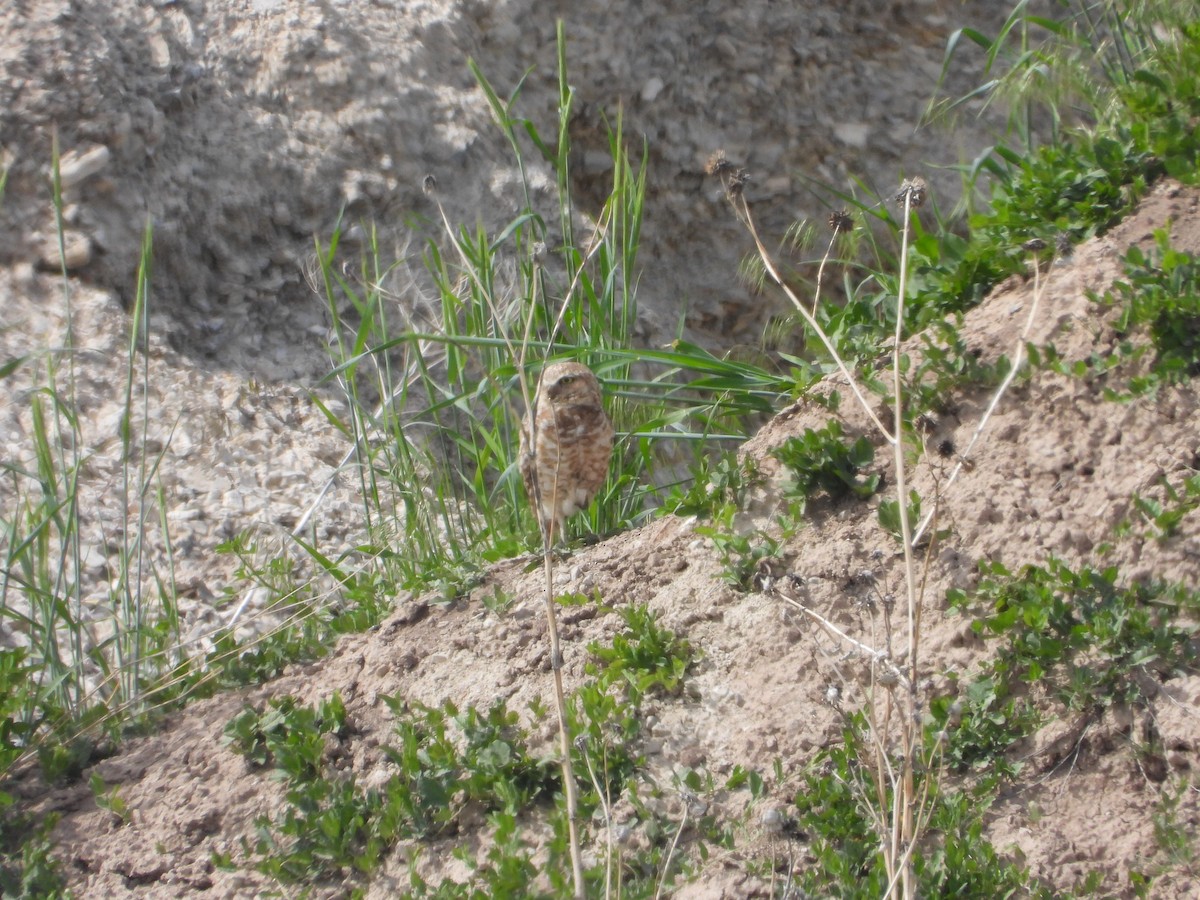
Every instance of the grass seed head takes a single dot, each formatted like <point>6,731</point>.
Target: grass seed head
<point>1063,246</point>
<point>915,190</point>
<point>718,164</point>
<point>840,221</point>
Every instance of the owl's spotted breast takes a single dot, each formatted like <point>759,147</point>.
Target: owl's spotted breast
<point>565,451</point>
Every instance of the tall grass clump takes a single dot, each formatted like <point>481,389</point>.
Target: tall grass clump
<point>82,656</point>
<point>435,381</point>
<point>1102,100</point>
<point>433,359</point>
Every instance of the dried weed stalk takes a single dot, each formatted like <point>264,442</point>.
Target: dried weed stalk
<point>898,795</point>
<point>519,352</point>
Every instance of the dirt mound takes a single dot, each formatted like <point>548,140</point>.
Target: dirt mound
<point>1053,476</point>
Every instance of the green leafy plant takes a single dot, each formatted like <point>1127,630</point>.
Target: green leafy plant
<point>1166,514</point>
<point>330,826</point>
<point>19,716</point>
<point>286,735</point>
<point>821,460</point>
<point>1163,297</point>
<point>644,657</point>
<point>1174,837</point>
<point>507,869</point>
<point>451,764</point>
<point>498,601</point>
<point>743,555</point>
<point>714,483</point>
<point>889,517</point>
<point>449,759</point>
<point>947,367</point>
<point>27,868</point>
<point>843,835</point>
<point>1078,634</point>
<point>109,798</point>
<point>979,727</point>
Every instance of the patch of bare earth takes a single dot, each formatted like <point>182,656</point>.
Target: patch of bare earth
<point>1053,474</point>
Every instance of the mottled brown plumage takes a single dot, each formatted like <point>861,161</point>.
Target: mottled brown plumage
<point>572,439</point>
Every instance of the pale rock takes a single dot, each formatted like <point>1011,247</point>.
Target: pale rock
<point>652,88</point>
<point>76,166</point>
<point>853,134</point>
<point>75,253</point>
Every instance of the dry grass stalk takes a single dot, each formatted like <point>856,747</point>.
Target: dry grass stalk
<point>900,794</point>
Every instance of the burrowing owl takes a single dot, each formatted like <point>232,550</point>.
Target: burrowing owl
<point>572,443</point>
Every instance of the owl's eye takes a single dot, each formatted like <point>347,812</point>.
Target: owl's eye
<point>567,379</point>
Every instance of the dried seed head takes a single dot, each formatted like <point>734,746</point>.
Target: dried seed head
<point>915,190</point>
<point>718,164</point>
<point>925,424</point>
<point>772,820</point>
<point>1063,246</point>
<point>1033,245</point>
<point>430,185</point>
<point>840,221</point>
<point>945,448</point>
<point>955,713</point>
<point>737,182</point>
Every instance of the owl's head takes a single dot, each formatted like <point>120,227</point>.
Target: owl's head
<point>570,383</point>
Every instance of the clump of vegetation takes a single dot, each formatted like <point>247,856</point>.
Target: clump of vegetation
<point>820,460</point>
<point>1043,199</point>
<point>744,553</point>
<point>715,482</point>
<point>27,866</point>
<point>1079,636</point>
<point>1164,515</point>
<point>1161,296</point>
<point>843,835</point>
<point>644,658</point>
<point>451,765</point>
